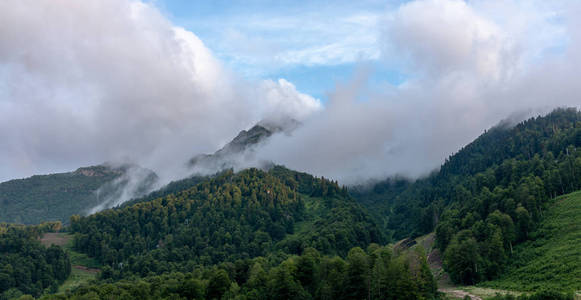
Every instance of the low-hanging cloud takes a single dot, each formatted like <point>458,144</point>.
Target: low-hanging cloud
<point>467,72</point>
<point>83,82</point>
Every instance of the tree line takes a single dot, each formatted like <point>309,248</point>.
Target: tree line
<point>374,273</point>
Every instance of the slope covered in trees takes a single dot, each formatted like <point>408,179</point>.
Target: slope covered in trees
<point>56,197</point>
<point>27,267</point>
<point>373,274</point>
<point>552,258</point>
<point>489,196</point>
<point>229,217</point>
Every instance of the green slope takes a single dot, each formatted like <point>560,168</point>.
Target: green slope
<point>503,156</point>
<point>553,259</point>
<point>56,197</point>
<point>225,218</point>
<point>487,198</point>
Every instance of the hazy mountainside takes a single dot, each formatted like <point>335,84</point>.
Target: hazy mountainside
<point>171,188</point>
<point>56,197</point>
<point>228,157</point>
<point>487,197</point>
<point>552,258</point>
<point>241,148</point>
<point>281,234</point>
<point>90,189</point>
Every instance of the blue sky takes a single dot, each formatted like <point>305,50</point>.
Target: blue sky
<point>313,44</point>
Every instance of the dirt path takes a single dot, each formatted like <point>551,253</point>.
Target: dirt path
<point>52,238</point>
<point>85,269</point>
<point>459,293</point>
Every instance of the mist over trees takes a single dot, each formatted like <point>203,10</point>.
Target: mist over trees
<point>489,196</point>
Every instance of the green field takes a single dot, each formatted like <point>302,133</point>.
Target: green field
<point>84,268</point>
<point>77,278</point>
<point>552,259</point>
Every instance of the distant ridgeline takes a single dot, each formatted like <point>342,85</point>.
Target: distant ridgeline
<point>56,197</point>
<point>488,196</point>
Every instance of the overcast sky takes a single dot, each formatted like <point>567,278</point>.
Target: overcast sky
<point>382,87</point>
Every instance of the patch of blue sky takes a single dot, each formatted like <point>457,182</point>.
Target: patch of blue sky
<point>319,81</point>
<point>313,44</point>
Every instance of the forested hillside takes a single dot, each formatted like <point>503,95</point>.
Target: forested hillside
<point>552,258</point>
<point>27,267</point>
<point>249,235</point>
<point>232,216</point>
<point>56,197</point>
<point>489,196</point>
<point>373,274</point>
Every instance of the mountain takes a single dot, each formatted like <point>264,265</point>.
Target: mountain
<point>494,209</point>
<point>489,196</point>
<point>56,197</point>
<point>242,148</point>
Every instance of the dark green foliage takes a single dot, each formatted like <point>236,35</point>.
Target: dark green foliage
<point>376,274</point>
<point>462,258</point>
<point>542,295</point>
<point>489,196</point>
<point>225,218</point>
<point>56,197</point>
<point>357,279</point>
<point>27,267</point>
<point>218,285</point>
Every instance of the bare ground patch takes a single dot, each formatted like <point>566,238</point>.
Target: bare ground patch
<point>53,238</point>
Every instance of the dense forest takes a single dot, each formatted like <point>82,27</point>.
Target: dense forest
<point>56,197</point>
<point>228,217</point>
<point>26,266</point>
<point>487,197</point>
<point>373,274</point>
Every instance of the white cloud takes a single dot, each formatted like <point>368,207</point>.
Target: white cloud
<point>283,100</point>
<point>468,71</point>
<point>87,82</point>
<point>443,36</point>
<point>91,81</point>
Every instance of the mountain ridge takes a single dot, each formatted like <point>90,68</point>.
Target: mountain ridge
<point>55,197</point>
